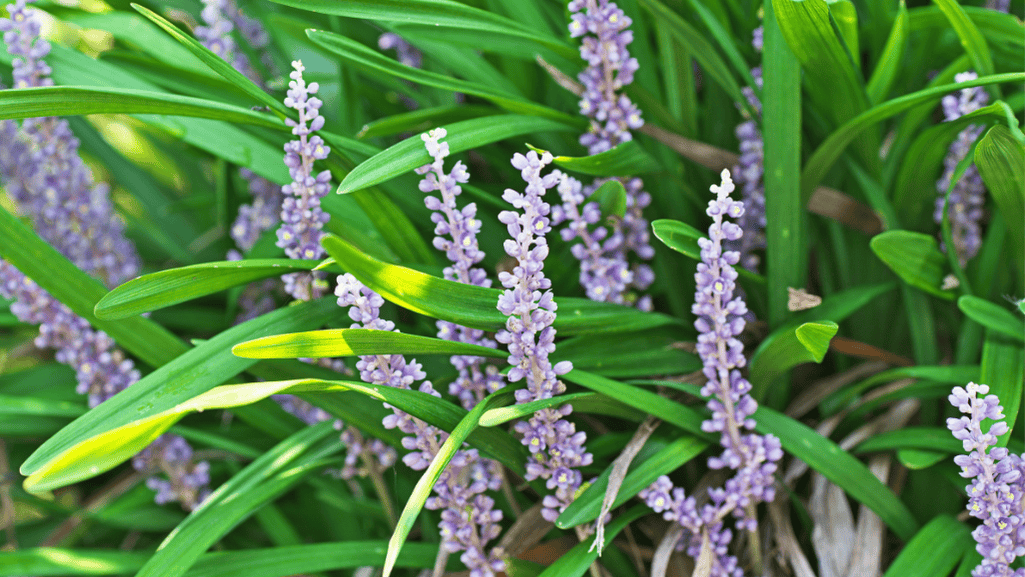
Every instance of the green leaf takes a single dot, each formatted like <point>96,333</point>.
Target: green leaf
<point>350,342</point>
<point>47,561</point>
<point>260,482</point>
<point>423,487</point>
<point>656,458</point>
<point>1003,369</point>
<point>972,40</point>
<point>216,63</point>
<point>950,374</point>
<point>832,147</point>
<point>786,348</point>
<point>81,100</point>
<point>409,154</point>
<point>1000,158</point>
<point>170,287</point>
<point>630,355</point>
<point>838,466</point>
<point>112,432</point>
<point>625,159</point>
<point>890,59</point>
<point>833,82</point>
<point>575,562</point>
<point>992,316</point>
<point>679,236</point>
<point>611,198</point>
<point>424,119</point>
<point>366,58</point>
<point>914,257</point>
<point>695,44</point>
<point>840,305</point>
<point>929,438</point>
<point>917,459</point>
<point>934,550</point>
<point>473,306</point>
<point>441,13</point>
<point>308,559</point>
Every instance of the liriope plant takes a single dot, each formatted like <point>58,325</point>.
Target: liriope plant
<point>316,362</point>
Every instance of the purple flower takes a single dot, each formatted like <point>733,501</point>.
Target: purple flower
<point>403,50</point>
<point>749,172</point>
<point>186,480</point>
<point>47,180</point>
<point>605,271</point>
<point>302,218</point>
<point>968,196</point>
<point>468,519</point>
<point>557,449</point>
<point>603,27</point>
<point>221,18</point>
<point>997,491</point>
<point>720,319</point>
<point>457,236</point>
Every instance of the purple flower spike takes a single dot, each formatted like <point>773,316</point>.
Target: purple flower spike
<point>468,519</point>
<point>753,457</point>
<point>221,18</point>
<point>186,481</point>
<point>48,181</point>
<point>403,50</point>
<point>969,194</point>
<point>997,490</point>
<point>603,27</point>
<point>557,449</point>
<point>457,236</point>
<point>302,218</point>
<point>749,173</point>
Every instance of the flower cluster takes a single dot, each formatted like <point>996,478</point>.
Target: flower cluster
<point>221,18</point>
<point>968,196</point>
<point>302,218</point>
<point>605,272</point>
<point>47,179</point>
<point>468,519</point>
<point>603,26</point>
<point>186,481</point>
<point>556,448</point>
<point>720,318</point>
<point>996,494</point>
<point>403,50</point>
<point>749,172</point>
<point>457,236</point>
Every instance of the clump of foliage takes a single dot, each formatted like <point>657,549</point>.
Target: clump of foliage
<point>512,287</point>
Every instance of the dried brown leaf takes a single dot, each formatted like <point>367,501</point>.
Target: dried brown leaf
<point>620,468</point>
<point>660,561</point>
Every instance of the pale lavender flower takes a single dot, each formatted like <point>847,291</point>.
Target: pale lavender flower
<point>997,491</point>
<point>969,194</point>
<point>302,218</point>
<point>186,480</point>
<point>457,235</point>
<point>999,5</point>
<point>403,50</point>
<point>720,318</point>
<point>221,18</point>
<point>605,271</point>
<point>556,448</point>
<point>469,519</point>
<point>47,180</point>
<point>749,173</point>
<point>603,27</point>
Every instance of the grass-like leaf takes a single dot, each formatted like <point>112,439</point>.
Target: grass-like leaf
<point>627,158</point>
<point>260,482</point>
<point>929,438</point>
<point>409,154</point>
<point>170,287</point>
<point>81,100</point>
<point>117,429</point>
<point>992,316</point>
<point>786,348</point>
<point>1003,369</point>
<point>423,487</point>
<point>473,306</point>
<point>915,258</point>
<point>934,550</point>
<point>575,562</point>
<point>972,40</point>
<point>349,342</point>
<point>679,236</point>
<point>366,58</point>
<point>1000,158</point>
<point>440,13</point>
<point>889,62</point>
